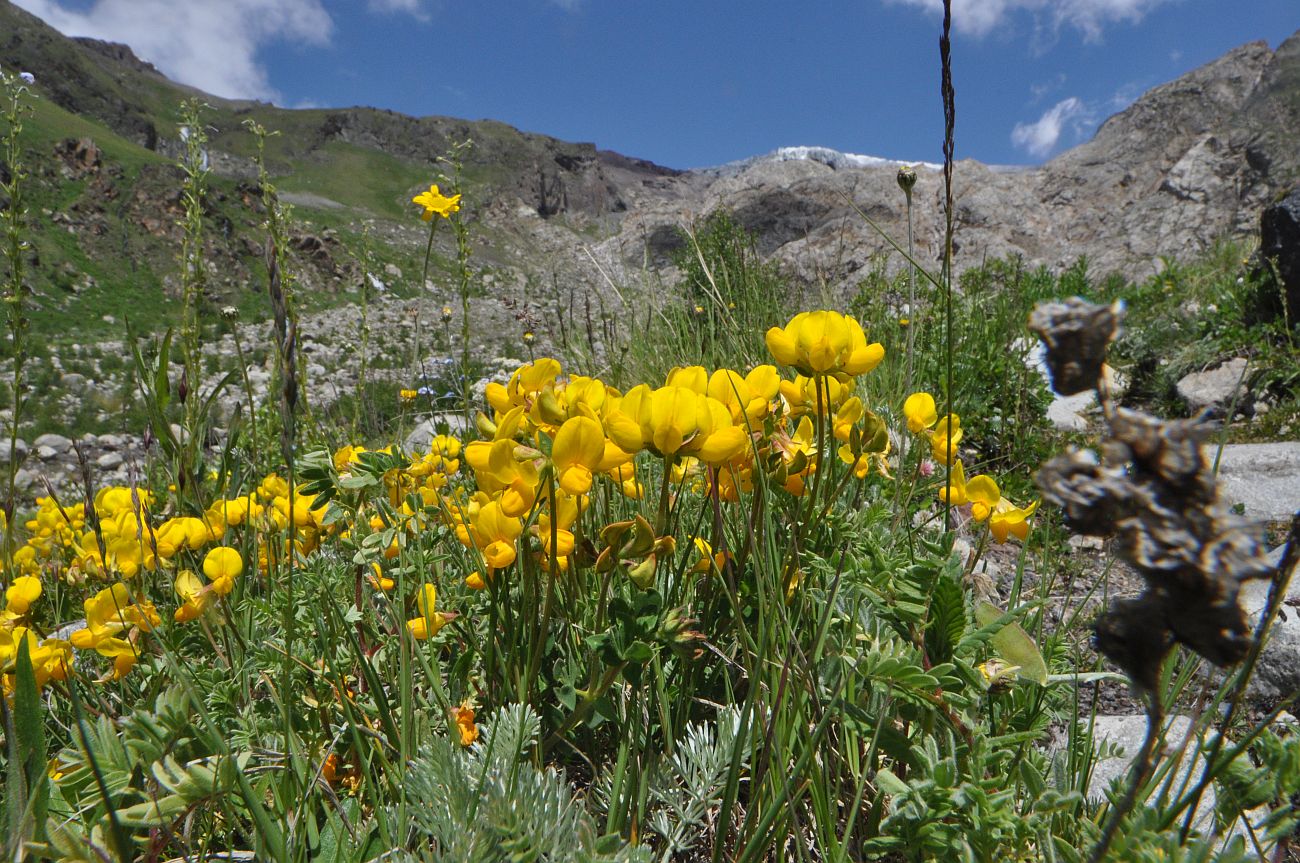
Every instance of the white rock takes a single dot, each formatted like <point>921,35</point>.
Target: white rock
<point>1218,386</point>
<point>56,442</point>
<point>1263,477</point>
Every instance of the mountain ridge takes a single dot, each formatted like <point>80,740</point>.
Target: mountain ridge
<point>1188,162</point>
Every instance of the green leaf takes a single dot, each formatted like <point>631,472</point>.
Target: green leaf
<point>947,622</point>
<point>891,784</point>
<point>1013,644</point>
<point>28,789</point>
<point>161,384</point>
<point>638,652</point>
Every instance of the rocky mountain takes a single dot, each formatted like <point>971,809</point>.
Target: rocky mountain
<point>1189,162</point>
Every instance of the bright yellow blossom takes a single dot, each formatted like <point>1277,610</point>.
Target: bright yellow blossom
<point>25,590</point>
<point>920,412</point>
<point>1009,520</point>
<point>944,439</point>
<point>430,621</point>
<point>577,452</point>
<point>463,717</point>
<point>222,566</point>
<point>824,342</point>
<point>983,494</point>
<point>436,203</point>
<point>672,421</point>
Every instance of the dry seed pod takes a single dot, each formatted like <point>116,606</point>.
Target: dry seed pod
<point>1154,491</point>
<point>1076,333</point>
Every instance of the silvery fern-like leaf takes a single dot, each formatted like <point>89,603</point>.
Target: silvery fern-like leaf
<point>687,789</point>
<point>489,804</point>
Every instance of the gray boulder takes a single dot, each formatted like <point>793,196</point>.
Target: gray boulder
<point>1217,387</point>
<point>423,434</point>
<point>1263,477</point>
<point>56,442</point>
<point>20,445</point>
<point>1277,675</point>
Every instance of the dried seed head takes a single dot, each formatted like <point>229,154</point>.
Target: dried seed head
<point>1154,491</point>
<point>1076,333</point>
<point>1133,636</point>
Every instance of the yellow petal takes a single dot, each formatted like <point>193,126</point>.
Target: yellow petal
<point>782,347</point>
<point>920,412</point>
<point>723,445</point>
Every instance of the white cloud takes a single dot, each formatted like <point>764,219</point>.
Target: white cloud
<point>416,8</point>
<point>980,17</point>
<point>212,46</point>
<point>1040,137</point>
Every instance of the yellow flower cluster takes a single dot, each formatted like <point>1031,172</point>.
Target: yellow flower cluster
<point>549,442</point>
<point>981,492</point>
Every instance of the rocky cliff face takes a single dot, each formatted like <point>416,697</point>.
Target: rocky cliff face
<point>1189,162</point>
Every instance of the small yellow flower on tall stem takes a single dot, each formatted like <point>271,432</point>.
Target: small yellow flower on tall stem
<point>436,203</point>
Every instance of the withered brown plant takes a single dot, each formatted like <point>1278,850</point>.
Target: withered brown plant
<point>1152,489</point>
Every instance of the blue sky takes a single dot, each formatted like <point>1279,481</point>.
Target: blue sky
<point>690,83</point>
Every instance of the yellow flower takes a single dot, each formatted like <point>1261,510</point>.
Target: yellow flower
<point>176,534</point>
<point>824,342</point>
<point>222,566</point>
<point>434,202</point>
<point>463,717</point>
<point>407,395</point>
<point>196,597</point>
<point>748,398</point>
<point>109,614</point>
<point>578,450</point>
<point>674,420</point>
<point>494,531</point>
<point>707,560</point>
<point>25,590</point>
<point>378,580</point>
<point>984,495</point>
<point>920,412</point>
<point>954,492</point>
<point>51,658</point>
<point>1009,520</point>
<point>430,621</point>
<point>944,439</point>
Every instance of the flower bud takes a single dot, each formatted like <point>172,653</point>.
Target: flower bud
<point>906,179</point>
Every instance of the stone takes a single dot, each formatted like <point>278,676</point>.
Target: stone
<point>423,434</point>
<point>1277,673</point>
<point>1217,387</point>
<point>56,442</point>
<point>47,453</point>
<point>109,460</point>
<point>72,379</point>
<point>1279,247</point>
<point>1128,733</point>
<point>1262,477</point>
<point>20,445</point>
<point>110,441</point>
